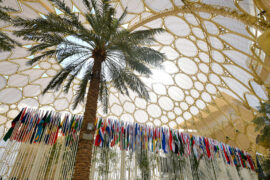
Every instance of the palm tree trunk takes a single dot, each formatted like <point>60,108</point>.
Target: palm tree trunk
<point>85,146</point>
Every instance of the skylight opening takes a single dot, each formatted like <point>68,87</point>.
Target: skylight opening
<point>58,12</point>
<point>75,9</point>
<point>43,16</point>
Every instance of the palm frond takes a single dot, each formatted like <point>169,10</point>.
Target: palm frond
<point>77,68</point>
<point>120,85</point>
<point>136,85</point>
<point>6,43</point>
<point>96,8</point>
<point>46,54</point>
<point>144,34</point>
<point>62,6</point>
<point>70,79</point>
<point>52,24</point>
<point>4,16</point>
<point>40,47</point>
<point>80,93</point>
<point>133,82</point>
<point>148,56</point>
<point>123,15</point>
<point>138,66</point>
<point>92,21</point>
<point>74,18</point>
<point>57,80</point>
<point>87,4</point>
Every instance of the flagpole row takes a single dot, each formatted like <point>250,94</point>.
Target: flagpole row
<point>131,136</point>
<point>45,145</point>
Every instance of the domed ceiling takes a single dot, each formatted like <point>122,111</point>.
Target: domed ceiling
<point>212,80</point>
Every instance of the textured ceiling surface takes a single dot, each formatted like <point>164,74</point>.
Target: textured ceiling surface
<point>213,78</point>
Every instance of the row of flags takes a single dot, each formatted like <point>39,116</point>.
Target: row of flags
<point>134,136</point>
<point>36,126</point>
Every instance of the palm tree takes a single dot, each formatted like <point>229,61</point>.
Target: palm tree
<point>6,43</point>
<point>102,51</point>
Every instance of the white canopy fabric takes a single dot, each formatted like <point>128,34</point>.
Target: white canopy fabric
<point>213,78</point>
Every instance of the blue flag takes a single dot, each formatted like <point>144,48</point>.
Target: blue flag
<point>163,141</point>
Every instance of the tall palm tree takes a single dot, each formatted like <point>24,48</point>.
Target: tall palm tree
<point>6,43</point>
<point>101,51</point>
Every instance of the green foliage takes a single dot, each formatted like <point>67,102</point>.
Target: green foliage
<point>123,53</point>
<point>104,158</point>
<point>6,43</point>
<point>54,156</point>
<point>143,162</point>
<point>195,165</point>
<point>266,166</point>
<point>262,123</point>
<point>103,165</point>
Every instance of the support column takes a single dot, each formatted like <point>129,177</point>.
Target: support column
<point>123,165</point>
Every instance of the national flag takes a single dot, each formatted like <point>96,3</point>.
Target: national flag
<point>113,134</point>
<point>56,133</point>
<point>170,140</point>
<point>61,123</point>
<point>207,147</point>
<point>108,130</point>
<point>135,136</point>
<point>47,119</point>
<point>76,125</point>
<point>38,119</point>
<point>243,158</point>
<point>40,128</point>
<point>73,124</point>
<point>250,162</point>
<point>163,141</point>
<point>193,145</point>
<point>16,131</point>
<point>44,124</point>
<point>27,128</point>
<point>226,156</point>
<point>30,127</point>
<point>13,124</point>
<point>101,134</point>
<point>127,136</point>
<point>66,125</point>
<point>175,142</point>
<point>97,139</point>
<point>21,131</point>
<point>99,123</point>
<point>181,145</point>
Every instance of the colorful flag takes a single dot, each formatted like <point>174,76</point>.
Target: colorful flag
<point>13,124</point>
<point>163,141</point>
<point>40,128</point>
